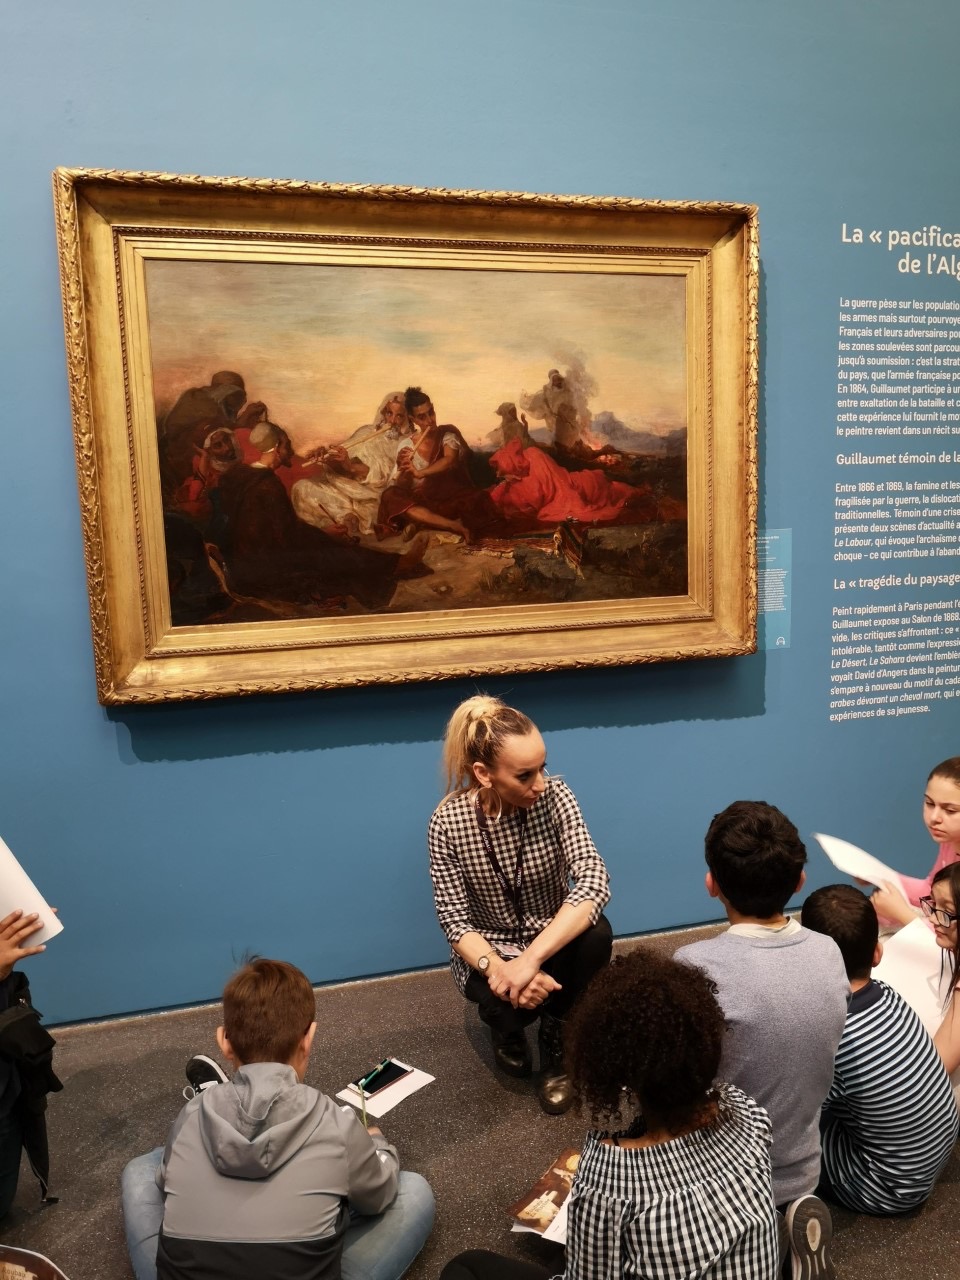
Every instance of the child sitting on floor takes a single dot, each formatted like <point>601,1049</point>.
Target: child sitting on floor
<point>674,1179</point>
<point>943,907</point>
<point>889,1122</point>
<point>262,1175</point>
<point>941,817</point>
<point>784,992</point>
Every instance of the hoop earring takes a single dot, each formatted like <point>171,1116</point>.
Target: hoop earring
<point>492,818</point>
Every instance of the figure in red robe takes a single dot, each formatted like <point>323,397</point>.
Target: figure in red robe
<point>535,490</point>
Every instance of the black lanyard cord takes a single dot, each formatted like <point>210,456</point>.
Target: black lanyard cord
<point>514,892</point>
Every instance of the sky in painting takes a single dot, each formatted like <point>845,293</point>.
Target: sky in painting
<point>321,344</point>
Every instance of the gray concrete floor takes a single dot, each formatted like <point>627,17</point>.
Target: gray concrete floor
<point>479,1138</point>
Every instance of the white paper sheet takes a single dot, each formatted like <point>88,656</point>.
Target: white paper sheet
<point>557,1230</point>
<point>388,1098</point>
<point>17,890</point>
<point>846,857</point>
<point>911,964</point>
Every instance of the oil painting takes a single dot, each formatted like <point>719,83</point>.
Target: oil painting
<point>341,440</point>
<point>356,435</point>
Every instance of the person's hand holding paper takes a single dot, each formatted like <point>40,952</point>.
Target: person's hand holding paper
<point>19,893</point>
<point>15,930</point>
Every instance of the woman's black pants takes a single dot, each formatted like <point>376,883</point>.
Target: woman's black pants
<point>480,1264</point>
<point>573,966</point>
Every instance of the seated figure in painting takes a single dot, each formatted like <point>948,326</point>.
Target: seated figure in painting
<point>345,491</point>
<point>270,553</point>
<point>534,490</point>
<point>198,412</point>
<point>513,426</point>
<point>433,487</point>
<point>196,496</point>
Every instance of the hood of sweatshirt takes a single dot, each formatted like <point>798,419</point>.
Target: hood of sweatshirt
<point>258,1121</point>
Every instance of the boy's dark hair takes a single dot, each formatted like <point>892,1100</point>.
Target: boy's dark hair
<point>413,397</point>
<point>756,856</point>
<point>650,1026</point>
<point>847,916</point>
<point>268,1007</point>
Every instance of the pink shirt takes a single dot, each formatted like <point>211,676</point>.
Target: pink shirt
<point>916,888</point>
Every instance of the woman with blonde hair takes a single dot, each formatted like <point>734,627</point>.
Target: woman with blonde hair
<point>519,888</point>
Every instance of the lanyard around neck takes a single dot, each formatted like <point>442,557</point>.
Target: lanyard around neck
<point>513,892</point>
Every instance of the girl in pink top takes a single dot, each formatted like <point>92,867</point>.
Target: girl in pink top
<point>941,816</point>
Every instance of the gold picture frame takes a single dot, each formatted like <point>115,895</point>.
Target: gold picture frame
<point>645,428</point>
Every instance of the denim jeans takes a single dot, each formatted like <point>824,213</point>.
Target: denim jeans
<point>378,1248</point>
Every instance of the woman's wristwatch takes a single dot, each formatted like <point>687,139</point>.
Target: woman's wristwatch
<point>483,964</point>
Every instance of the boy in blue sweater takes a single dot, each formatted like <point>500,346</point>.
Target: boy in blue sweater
<point>784,992</point>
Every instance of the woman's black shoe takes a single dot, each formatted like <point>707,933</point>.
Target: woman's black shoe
<point>554,1090</point>
<point>512,1053</point>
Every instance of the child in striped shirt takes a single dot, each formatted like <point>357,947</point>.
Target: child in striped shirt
<point>889,1122</point>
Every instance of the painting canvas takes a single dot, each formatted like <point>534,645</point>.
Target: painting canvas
<point>544,462</point>
<point>335,436</point>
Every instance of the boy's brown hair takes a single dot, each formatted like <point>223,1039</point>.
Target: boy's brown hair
<point>268,1007</point>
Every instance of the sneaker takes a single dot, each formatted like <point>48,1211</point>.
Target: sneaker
<point>810,1228</point>
<point>202,1072</point>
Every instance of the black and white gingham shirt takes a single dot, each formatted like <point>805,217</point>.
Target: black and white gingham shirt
<point>557,850</point>
<point>697,1206</point>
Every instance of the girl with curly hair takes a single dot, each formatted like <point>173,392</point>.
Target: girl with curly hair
<point>675,1178</point>
<point>519,887</point>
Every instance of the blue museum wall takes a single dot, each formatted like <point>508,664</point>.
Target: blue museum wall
<point>176,838</point>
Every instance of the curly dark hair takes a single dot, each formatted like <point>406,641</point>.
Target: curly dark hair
<point>647,1034</point>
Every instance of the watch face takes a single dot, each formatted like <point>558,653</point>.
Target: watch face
<point>483,964</point>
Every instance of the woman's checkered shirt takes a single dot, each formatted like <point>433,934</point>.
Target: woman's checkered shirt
<point>560,864</point>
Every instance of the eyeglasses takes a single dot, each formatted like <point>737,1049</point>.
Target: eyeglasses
<point>939,915</point>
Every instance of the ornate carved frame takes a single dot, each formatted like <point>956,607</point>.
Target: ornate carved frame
<point>140,658</point>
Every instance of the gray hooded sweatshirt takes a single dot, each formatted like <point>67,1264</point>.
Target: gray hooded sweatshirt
<point>257,1175</point>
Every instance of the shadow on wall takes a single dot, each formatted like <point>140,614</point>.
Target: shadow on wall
<point>710,689</point>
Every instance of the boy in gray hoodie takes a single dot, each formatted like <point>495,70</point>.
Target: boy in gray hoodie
<point>262,1175</point>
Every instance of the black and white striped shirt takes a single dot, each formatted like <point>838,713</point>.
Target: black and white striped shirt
<point>889,1122</point>
<point>700,1205</point>
<point>557,851</point>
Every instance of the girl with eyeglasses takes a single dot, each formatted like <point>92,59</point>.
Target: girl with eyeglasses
<point>941,817</point>
<point>942,908</point>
